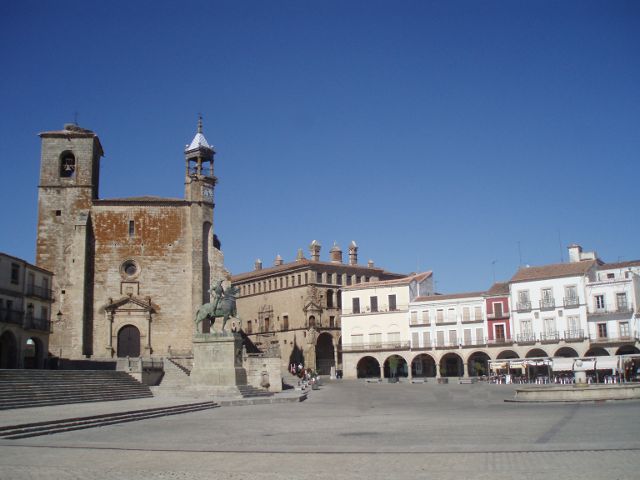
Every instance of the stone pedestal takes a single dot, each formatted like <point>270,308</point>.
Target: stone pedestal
<point>217,360</point>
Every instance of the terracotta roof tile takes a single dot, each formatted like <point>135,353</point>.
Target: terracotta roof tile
<point>498,288</point>
<point>611,266</point>
<point>555,270</point>
<point>449,296</point>
<point>395,281</point>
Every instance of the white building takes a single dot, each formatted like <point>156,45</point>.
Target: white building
<point>613,315</point>
<point>375,326</point>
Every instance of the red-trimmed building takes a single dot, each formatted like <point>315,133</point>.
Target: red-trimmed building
<point>498,314</point>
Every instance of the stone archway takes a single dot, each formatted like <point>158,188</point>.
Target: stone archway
<point>395,366</point>
<point>368,367</point>
<point>507,354</point>
<point>325,354</point>
<point>8,350</point>
<point>451,365</point>
<point>627,350</point>
<point>32,353</point>
<point>129,341</point>
<point>478,364</point>
<point>566,352</point>
<point>423,365</point>
<point>535,353</point>
<point>596,352</point>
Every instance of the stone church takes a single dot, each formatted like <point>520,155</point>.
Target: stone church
<point>129,273</point>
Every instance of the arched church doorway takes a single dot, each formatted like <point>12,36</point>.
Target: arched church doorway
<point>8,351</point>
<point>129,341</point>
<point>325,358</point>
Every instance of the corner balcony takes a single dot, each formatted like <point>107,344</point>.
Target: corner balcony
<point>39,292</point>
<point>614,341</point>
<point>41,324</point>
<point>11,316</point>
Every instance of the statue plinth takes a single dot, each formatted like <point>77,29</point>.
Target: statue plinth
<point>217,360</point>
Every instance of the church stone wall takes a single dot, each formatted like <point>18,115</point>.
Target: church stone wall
<point>161,248</point>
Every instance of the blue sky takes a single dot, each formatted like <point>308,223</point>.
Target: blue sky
<point>437,135</point>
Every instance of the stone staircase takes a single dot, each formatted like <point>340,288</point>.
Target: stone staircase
<point>37,388</point>
<point>27,430</point>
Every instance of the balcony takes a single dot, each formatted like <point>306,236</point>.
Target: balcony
<point>549,337</point>
<point>497,316</point>
<point>523,306</point>
<point>367,347</point>
<point>500,341</point>
<point>39,292</point>
<point>11,316</point>
<point>41,324</point>
<point>547,304</point>
<point>571,302</point>
<point>574,335</point>
<point>526,338</point>
<point>467,342</point>
<point>620,309</point>
<point>622,339</point>
<point>444,345</point>
<point>471,320</point>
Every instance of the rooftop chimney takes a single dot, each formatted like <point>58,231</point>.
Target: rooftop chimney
<point>314,249</point>
<point>278,260</point>
<point>258,264</point>
<point>370,264</point>
<point>335,253</point>
<point>353,253</point>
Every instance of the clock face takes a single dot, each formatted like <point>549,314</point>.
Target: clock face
<point>207,192</point>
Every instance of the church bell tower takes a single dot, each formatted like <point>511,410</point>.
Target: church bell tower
<point>199,178</point>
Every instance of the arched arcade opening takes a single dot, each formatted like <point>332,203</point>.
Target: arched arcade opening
<point>395,366</point>
<point>325,354</point>
<point>451,365</point>
<point>478,364</point>
<point>423,365</point>
<point>8,350</point>
<point>368,367</point>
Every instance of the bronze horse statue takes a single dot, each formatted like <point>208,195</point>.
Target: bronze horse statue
<point>224,307</point>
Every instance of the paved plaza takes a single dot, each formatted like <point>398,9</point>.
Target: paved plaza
<point>347,429</point>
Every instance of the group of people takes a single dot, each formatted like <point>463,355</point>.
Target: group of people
<point>306,375</point>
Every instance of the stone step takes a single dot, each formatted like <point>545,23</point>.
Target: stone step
<point>57,426</point>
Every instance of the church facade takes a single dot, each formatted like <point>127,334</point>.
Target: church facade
<point>129,273</point>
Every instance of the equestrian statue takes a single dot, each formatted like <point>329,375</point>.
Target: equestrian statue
<point>223,305</point>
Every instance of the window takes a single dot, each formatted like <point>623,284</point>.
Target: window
<point>357,278</point>
<point>440,339</point>
<point>477,312</point>
<point>602,330</point>
<point>332,321</point>
<point>318,277</point>
<point>132,228</point>
<point>466,314</point>
<point>611,275</point>
<point>339,279</point>
<point>329,298</point>
<point>267,324</point>
<point>467,336</point>
<point>414,318</point>
<point>415,340</point>
<point>394,337</point>
<point>15,273</point>
<point>285,322</point>
<point>129,268</point>
<point>453,337</point>
<point>525,327</point>
<point>375,338</point>
<point>312,321</point>
<point>329,277</point>
<point>497,310</point>
<point>356,339</point>
<point>479,335</point>
<point>426,339</point>
<point>599,302</point>
<point>281,282</point>
<point>547,298</point>
<point>573,325</point>
<point>299,279</point>
<point>392,303</point>
<point>523,300</point>
<point>621,301</point>
<point>374,304</point>
<point>451,315</point>
<point>348,279</point>
<point>355,305</point>
<point>439,315</point>
<point>425,317</point>
<point>499,332</point>
<point>549,326</point>
<point>249,328</point>
<point>58,213</point>
<point>306,278</point>
<point>339,298</point>
<point>67,165</point>
<point>624,329</point>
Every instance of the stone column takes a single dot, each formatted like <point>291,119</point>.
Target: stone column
<point>148,346</point>
<point>465,369</point>
<point>110,333</point>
